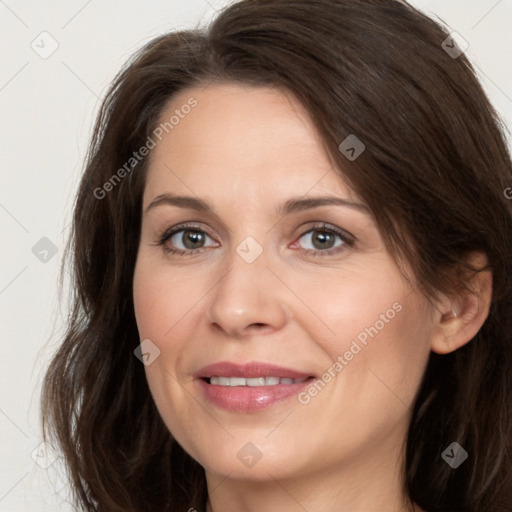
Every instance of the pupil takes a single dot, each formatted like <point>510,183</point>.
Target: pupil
<point>192,238</point>
<point>322,237</point>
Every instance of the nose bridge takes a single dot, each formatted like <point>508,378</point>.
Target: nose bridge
<point>248,296</point>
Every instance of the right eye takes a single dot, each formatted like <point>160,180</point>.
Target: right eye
<point>184,239</point>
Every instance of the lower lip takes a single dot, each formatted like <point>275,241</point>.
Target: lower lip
<point>250,398</point>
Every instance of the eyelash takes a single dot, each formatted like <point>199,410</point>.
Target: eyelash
<point>348,240</point>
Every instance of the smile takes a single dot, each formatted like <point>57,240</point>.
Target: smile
<point>249,387</point>
<point>253,382</point>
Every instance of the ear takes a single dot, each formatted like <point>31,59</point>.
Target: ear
<point>458,318</point>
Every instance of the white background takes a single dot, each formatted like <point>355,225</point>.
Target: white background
<point>47,108</point>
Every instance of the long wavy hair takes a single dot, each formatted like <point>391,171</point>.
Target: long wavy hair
<point>434,173</point>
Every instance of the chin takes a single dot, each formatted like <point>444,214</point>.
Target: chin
<point>248,462</point>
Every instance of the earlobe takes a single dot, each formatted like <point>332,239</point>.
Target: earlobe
<point>460,318</point>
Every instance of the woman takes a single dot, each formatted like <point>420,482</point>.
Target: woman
<point>292,254</point>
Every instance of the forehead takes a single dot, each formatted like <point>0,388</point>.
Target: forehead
<point>241,139</point>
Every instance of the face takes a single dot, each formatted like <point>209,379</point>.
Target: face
<point>243,263</point>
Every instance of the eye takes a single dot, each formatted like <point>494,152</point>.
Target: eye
<point>184,239</point>
<point>325,240</point>
<point>321,240</point>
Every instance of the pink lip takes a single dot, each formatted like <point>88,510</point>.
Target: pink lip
<point>249,398</point>
<point>249,370</point>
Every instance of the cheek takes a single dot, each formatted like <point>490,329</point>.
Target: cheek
<point>385,351</point>
<point>355,305</point>
<point>159,305</point>
<point>147,303</point>
<point>377,328</point>
<point>161,299</point>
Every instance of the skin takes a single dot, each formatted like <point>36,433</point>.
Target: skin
<point>246,151</point>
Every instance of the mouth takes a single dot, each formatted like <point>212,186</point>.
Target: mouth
<point>252,382</point>
<point>250,387</point>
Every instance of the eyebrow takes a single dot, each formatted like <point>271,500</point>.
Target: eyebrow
<point>293,205</point>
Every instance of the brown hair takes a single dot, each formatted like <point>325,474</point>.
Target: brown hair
<point>433,173</point>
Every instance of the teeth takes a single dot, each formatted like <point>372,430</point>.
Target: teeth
<point>237,381</point>
<point>256,381</point>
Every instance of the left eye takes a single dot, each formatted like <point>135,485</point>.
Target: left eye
<point>322,239</point>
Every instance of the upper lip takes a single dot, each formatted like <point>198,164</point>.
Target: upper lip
<point>249,370</point>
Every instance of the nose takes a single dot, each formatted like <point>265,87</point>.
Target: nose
<point>249,299</point>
